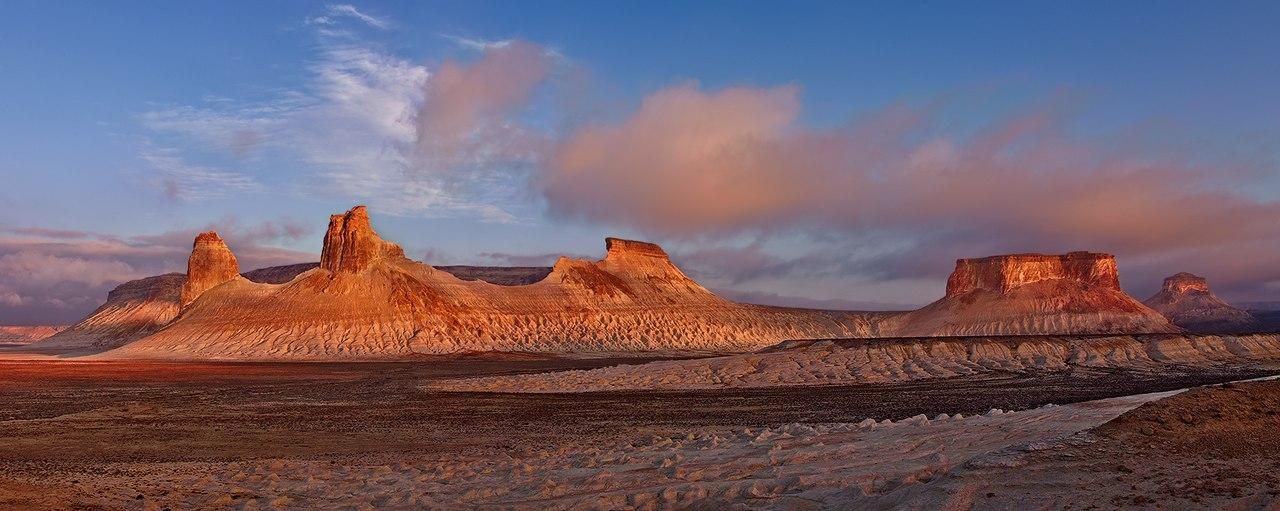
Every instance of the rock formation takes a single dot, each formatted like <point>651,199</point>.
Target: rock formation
<point>138,308</point>
<point>1187,301</point>
<point>367,301</point>
<point>351,245</point>
<point>211,263</point>
<point>1075,293</point>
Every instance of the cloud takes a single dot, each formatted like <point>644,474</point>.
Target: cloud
<point>690,163</point>
<point>50,276</point>
<point>468,109</point>
<point>179,180</point>
<point>471,43</point>
<point>335,11</point>
<point>372,127</point>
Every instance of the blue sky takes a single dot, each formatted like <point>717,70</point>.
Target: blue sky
<point>140,123</point>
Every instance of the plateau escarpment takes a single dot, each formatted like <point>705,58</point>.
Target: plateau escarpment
<point>1074,293</point>
<point>1186,300</point>
<point>365,300</point>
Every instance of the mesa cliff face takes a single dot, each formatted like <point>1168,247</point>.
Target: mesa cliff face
<point>367,301</point>
<point>1186,300</point>
<point>1005,273</point>
<point>1074,293</point>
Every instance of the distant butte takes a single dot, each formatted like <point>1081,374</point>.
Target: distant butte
<point>1073,293</point>
<point>1186,300</point>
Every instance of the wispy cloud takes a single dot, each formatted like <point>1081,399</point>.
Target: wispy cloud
<point>179,180</point>
<point>472,43</point>
<point>335,11</point>
<point>353,126</point>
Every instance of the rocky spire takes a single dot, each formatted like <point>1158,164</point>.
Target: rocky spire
<point>351,245</point>
<point>211,263</point>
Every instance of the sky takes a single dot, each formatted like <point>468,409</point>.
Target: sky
<point>836,155</point>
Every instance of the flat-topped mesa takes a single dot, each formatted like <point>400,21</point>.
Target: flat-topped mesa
<point>1185,283</point>
<point>618,248</point>
<point>211,263</point>
<point>642,258</point>
<point>351,245</point>
<point>1004,273</point>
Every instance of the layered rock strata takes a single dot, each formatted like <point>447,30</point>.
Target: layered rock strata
<point>1020,294</point>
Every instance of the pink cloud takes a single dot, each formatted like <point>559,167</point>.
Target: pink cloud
<point>690,163</point>
<point>467,109</point>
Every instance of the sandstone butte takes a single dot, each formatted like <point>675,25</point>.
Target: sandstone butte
<point>1186,300</point>
<point>1074,293</point>
<point>366,300</point>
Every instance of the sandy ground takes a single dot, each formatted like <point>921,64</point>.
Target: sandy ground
<point>117,435</point>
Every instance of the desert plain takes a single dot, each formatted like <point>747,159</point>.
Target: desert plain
<point>199,435</point>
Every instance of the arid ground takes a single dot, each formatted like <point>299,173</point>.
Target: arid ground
<point>155,435</point>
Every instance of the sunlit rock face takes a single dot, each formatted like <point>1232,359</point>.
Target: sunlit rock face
<point>1005,273</point>
<point>351,245</point>
<point>211,263</point>
<point>1186,300</point>
<point>1074,293</point>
